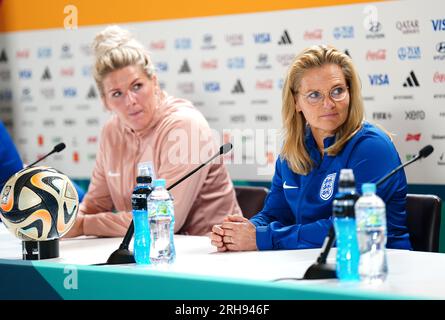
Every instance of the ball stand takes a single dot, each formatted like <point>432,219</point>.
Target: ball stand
<point>38,250</point>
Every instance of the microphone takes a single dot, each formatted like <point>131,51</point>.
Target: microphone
<point>423,153</point>
<point>123,255</point>
<point>320,269</point>
<point>59,147</point>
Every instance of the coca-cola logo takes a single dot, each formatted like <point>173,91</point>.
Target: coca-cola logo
<point>316,34</point>
<point>376,55</point>
<point>439,77</point>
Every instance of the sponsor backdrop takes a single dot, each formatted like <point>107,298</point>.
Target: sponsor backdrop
<point>232,68</point>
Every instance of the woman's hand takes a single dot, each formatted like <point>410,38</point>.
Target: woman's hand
<point>236,233</point>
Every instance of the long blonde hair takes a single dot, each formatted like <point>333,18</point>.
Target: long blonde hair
<point>294,150</point>
<point>115,48</point>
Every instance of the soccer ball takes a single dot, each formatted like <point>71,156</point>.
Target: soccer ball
<point>38,204</point>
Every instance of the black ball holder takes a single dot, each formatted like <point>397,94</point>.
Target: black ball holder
<point>39,250</point>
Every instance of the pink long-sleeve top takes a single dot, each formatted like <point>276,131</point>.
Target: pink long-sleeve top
<point>177,141</point>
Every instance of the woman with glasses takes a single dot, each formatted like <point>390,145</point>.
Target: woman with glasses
<point>324,131</point>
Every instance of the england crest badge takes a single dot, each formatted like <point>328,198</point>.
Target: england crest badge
<point>327,187</point>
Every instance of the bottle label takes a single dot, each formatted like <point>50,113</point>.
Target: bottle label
<point>162,209</point>
<point>139,201</point>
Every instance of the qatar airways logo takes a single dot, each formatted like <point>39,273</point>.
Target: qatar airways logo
<point>235,39</point>
<point>285,59</point>
<point>5,75</point>
<point>408,26</point>
<point>316,34</point>
<point>186,87</point>
<point>376,55</point>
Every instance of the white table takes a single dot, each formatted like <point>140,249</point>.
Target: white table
<point>411,274</point>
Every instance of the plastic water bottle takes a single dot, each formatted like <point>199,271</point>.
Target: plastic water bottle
<point>371,232</point>
<point>140,216</point>
<point>162,224</point>
<point>348,255</point>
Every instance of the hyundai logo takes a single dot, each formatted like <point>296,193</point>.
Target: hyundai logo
<point>440,47</point>
<point>375,26</point>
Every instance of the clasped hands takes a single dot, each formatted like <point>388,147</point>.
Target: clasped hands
<point>236,233</point>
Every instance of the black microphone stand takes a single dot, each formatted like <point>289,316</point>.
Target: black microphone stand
<point>320,269</point>
<point>57,148</point>
<point>123,255</point>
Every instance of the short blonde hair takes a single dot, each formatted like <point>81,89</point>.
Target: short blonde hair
<point>294,150</point>
<point>115,48</point>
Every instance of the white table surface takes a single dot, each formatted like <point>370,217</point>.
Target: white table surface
<point>416,274</point>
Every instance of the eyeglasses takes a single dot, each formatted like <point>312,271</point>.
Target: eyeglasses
<point>337,94</point>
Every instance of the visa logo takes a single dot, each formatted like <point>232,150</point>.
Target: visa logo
<point>69,92</point>
<point>262,37</point>
<point>25,74</point>
<point>5,95</point>
<point>378,79</point>
<point>211,86</point>
<point>162,66</point>
<point>438,24</point>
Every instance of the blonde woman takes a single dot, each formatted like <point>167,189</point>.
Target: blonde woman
<point>148,126</point>
<point>324,131</point>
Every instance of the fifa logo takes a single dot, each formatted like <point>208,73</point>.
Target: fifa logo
<point>5,194</point>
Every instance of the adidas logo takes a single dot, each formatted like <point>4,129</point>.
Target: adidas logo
<point>411,81</point>
<point>185,68</point>
<point>285,39</point>
<point>46,74</point>
<point>238,88</point>
<point>92,93</point>
<point>3,57</point>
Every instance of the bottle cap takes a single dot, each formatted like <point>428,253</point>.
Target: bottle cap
<point>347,179</point>
<point>159,183</point>
<point>368,188</point>
<point>143,170</point>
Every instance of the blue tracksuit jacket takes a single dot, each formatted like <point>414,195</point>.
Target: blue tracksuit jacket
<point>298,209</point>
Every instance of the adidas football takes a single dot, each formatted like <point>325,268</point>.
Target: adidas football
<point>39,203</point>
